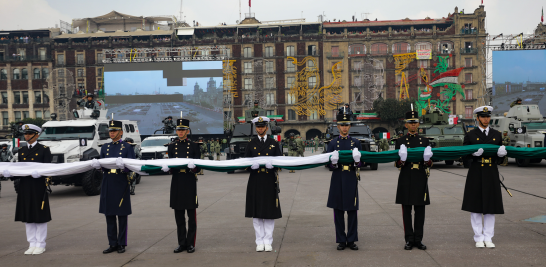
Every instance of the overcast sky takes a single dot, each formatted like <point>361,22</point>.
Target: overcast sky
<point>503,16</point>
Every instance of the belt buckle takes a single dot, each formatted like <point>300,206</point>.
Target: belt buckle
<point>486,161</point>
<point>346,167</point>
<point>415,166</point>
<point>183,171</point>
<point>262,169</point>
<point>114,171</point>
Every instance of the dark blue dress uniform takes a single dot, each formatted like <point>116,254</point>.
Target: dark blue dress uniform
<point>184,190</point>
<point>115,187</point>
<point>343,195</point>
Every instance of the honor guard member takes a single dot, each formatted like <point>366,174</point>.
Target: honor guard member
<point>88,102</point>
<point>115,198</point>
<point>184,188</point>
<point>343,195</point>
<point>169,125</point>
<point>262,191</point>
<point>482,192</point>
<point>32,206</point>
<point>505,142</point>
<point>412,190</point>
<point>202,150</point>
<point>292,148</point>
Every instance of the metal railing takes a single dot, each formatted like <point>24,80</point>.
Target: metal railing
<point>335,55</point>
<point>249,15</point>
<point>469,31</point>
<point>26,58</point>
<point>469,50</point>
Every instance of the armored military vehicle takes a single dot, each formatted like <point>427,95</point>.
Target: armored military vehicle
<point>526,128</point>
<point>359,131</point>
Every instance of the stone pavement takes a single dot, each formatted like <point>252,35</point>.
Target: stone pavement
<point>303,237</point>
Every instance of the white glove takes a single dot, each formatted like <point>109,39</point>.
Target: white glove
<point>191,165</point>
<point>95,164</point>
<point>255,166</point>
<point>502,151</point>
<point>428,153</point>
<point>478,153</point>
<point>165,168</point>
<point>6,173</point>
<point>119,163</point>
<point>269,165</point>
<point>335,157</point>
<point>403,153</point>
<point>356,155</point>
<point>35,174</point>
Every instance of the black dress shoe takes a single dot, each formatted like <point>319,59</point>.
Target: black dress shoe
<point>420,246</point>
<point>132,193</point>
<point>341,246</point>
<point>110,249</point>
<point>352,246</point>
<point>191,249</point>
<point>180,249</point>
<point>121,249</point>
<point>408,246</point>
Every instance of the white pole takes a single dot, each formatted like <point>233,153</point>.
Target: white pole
<point>181,114</point>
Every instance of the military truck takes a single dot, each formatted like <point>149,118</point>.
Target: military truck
<point>526,128</point>
<point>359,131</point>
<point>435,126</point>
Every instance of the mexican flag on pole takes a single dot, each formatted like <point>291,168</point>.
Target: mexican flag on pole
<point>15,142</point>
<point>386,135</point>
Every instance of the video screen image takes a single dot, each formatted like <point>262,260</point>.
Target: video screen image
<point>519,74</point>
<point>150,92</point>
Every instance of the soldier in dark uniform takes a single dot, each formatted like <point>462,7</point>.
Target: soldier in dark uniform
<point>343,195</point>
<point>184,188</point>
<point>262,191</point>
<point>169,125</point>
<point>19,133</point>
<point>412,191</point>
<point>115,198</point>
<point>90,103</point>
<point>482,192</point>
<point>32,199</point>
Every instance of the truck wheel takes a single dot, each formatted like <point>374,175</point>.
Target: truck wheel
<point>373,166</point>
<point>449,162</point>
<point>536,160</point>
<point>523,162</point>
<point>138,178</point>
<point>91,182</point>
<point>16,183</point>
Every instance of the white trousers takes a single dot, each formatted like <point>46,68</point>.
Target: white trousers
<point>485,232</point>
<point>264,230</point>
<point>36,234</point>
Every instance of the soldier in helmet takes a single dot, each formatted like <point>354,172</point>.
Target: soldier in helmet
<point>217,148</point>
<point>505,142</point>
<point>203,150</point>
<point>516,103</point>
<point>292,147</point>
<point>88,102</point>
<point>169,125</point>
<point>301,146</point>
<point>18,131</point>
<point>256,105</point>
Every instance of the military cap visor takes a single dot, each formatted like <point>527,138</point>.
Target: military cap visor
<point>115,126</point>
<point>484,111</point>
<point>182,124</point>
<point>260,121</point>
<point>343,119</point>
<point>31,128</point>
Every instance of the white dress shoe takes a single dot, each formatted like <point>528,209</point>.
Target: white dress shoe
<point>489,244</point>
<point>480,244</point>
<point>260,248</point>
<point>268,248</point>
<point>30,250</point>
<point>38,251</point>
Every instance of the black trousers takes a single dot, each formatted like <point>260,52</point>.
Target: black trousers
<point>415,233</point>
<point>115,237</point>
<point>352,225</point>
<point>186,238</point>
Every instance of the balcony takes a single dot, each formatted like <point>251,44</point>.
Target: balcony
<point>469,100</point>
<point>266,54</point>
<point>339,55</point>
<point>289,54</point>
<point>248,55</point>
<point>469,51</point>
<point>469,31</point>
<point>290,70</point>
<point>26,58</point>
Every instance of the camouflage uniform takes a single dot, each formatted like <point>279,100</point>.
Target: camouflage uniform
<point>301,146</point>
<point>217,148</point>
<point>203,149</point>
<point>316,143</point>
<point>384,144</point>
<point>515,103</point>
<point>505,142</point>
<point>292,148</point>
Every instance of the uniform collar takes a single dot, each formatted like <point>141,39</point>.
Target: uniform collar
<point>343,138</point>
<point>33,144</point>
<point>412,135</point>
<point>117,142</point>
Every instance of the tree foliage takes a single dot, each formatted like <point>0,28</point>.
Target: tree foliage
<point>391,110</point>
<point>38,121</point>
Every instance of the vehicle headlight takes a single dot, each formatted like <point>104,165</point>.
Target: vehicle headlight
<point>73,158</point>
<point>538,143</point>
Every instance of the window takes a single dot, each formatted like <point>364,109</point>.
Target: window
<point>47,114</point>
<point>24,74</point>
<point>313,115</point>
<point>311,64</point>
<point>60,59</point>
<point>291,99</point>
<point>79,59</point>
<point>357,81</point>
<point>448,62</point>
<point>226,52</point>
<point>80,72</point>
<point>445,47</point>
<point>423,64</point>
<point>36,73</point>
<point>269,66</point>
<point>400,48</point>
<point>3,74</point>
<point>17,97</point>
<point>45,99</point>
<point>468,62</point>
<point>379,49</point>
<point>81,86</point>
<point>248,84</point>
<point>61,73</point>
<point>311,50</point>
<point>357,98</point>
<point>291,114</point>
<point>45,73</point>
<point>423,46</point>
<point>99,57</point>
<point>37,97</point>
<point>25,114</point>
<point>17,115</point>
<point>290,51</point>
<point>357,49</point>
<point>247,52</point>
<point>290,67</point>
<point>5,118</point>
<point>132,128</point>
<point>42,54</point>
<point>22,53</point>
<point>248,67</point>
<point>16,75</point>
<point>468,111</point>
<point>468,94</point>
<point>468,78</point>
<point>269,112</point>
<point>268,51</point>
<point>99,72</point>
<point>25,97</point>
<point>312,82</point>
<point>335,51</point>
<point>270,98</point>
<point>38,114</point>
<point>127,128</point>
<point>290,82</point>
<point>269,83</point>
<point>4,97</point>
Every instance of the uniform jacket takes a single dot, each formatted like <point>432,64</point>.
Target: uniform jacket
<point>261,190</point>
<point>33,190</point>
<point>343,184</point>
<point>482,192</point>
<point>5,155</point>
<point>184,182</point>
<point>115,186</point>
<point>412,182</point>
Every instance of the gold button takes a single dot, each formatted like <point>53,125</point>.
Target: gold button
<point>22,153</point>
<point>188,152</point>
<point>493,139</point>
<point>106,154</point>
<point>24,158</point>
<point>120,153</point>
<point>176,148</point>
<point>258,154</point>
<point>107,149</point>
<point>37,153</point>
<point>267,154</point>
<point>477,138</point>
<point>32,159</point>
<point>175,152</point>
<point>187,156</point>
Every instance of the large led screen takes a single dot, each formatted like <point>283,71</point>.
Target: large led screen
<point>150,92</point>
<point>519,73</point>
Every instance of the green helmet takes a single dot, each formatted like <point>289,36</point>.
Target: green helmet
<point>505,132</point>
